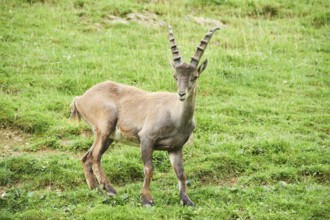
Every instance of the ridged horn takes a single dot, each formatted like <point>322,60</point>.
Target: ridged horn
<point>202,46</point>
<point>175,51</point>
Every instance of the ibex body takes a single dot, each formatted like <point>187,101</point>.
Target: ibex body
<point>151,120</point>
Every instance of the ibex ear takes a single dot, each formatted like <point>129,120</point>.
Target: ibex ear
<point>202,67</point>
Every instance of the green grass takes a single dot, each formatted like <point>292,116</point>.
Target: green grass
<point>261,146</point>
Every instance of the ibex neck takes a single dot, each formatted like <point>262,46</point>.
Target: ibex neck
<point>188,106</point>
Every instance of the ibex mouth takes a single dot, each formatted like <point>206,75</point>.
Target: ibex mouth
<point>182,98</point>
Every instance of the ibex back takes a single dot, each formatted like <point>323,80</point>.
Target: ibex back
<point>151,120</point>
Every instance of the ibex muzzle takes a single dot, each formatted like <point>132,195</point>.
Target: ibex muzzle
<point>151,120</point>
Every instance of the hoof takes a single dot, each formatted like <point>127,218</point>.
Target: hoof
<point>146,199</point>
<point>187,203</point>
<point>112,194</point>
<point>110,191</point>
<point>148,204</point>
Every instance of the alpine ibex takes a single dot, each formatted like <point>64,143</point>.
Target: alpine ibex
<point>152,120</point>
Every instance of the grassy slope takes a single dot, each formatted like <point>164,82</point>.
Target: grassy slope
<point>261,147</point>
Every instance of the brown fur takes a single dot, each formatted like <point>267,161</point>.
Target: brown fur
<point>152,120</point>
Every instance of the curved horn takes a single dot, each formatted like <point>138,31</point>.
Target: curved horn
<point>175,51</point>
<point>202,46</point>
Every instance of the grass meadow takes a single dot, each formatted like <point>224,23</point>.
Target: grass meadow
<point>261,145</point>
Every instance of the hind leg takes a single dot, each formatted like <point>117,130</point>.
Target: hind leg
<point>91,163</point>
<point>87,162</point>
<point>88,171</point>
<point>102,144</point>
<point>104,124</point>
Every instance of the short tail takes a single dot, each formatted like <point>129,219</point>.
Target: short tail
<point>75,116</point>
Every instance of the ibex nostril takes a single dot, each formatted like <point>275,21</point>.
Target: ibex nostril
<point>181,94</point>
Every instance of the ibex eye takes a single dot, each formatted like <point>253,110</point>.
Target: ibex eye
<point>176,78</point>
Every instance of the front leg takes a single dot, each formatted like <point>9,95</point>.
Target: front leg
<point>176,161</point>
<point>146,151</point>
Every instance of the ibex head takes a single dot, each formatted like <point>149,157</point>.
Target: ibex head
<point>186,74</point>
